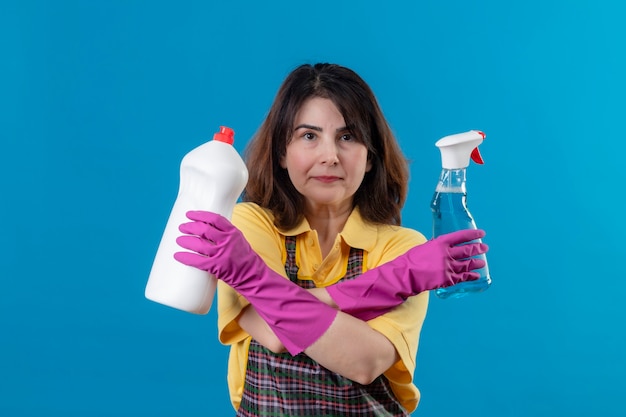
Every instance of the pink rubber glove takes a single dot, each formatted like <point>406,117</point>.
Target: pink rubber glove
<point>435,264</point>
<point>296,316</point>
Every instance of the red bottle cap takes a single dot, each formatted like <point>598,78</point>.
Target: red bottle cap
<point>226,134</point>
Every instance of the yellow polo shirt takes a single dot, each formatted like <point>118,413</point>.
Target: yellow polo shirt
<point>380,244</point>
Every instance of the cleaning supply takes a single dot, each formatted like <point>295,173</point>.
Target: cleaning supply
<point>449,203</point>
<point>212,177</point>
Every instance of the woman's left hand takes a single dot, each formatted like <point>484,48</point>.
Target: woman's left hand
<point>216,246</point>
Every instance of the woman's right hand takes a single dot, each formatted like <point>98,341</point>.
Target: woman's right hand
<point>446,260</point>
<point>441,262</point>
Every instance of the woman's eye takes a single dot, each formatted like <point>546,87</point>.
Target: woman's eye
<point>346,138</point>
<point>309,136</point>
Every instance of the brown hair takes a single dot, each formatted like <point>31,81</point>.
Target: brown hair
<point>383,191</point>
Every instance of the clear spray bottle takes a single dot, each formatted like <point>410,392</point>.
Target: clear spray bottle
<point>212,177</point>
<point>449,203</point>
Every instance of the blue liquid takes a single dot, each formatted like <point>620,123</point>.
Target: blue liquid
<point>450,214</point>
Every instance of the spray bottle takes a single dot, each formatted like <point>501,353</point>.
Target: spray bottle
<point>450,212</point>
<point>212,177</point>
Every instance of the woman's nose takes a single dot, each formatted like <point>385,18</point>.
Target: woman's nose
<point>329,153</point>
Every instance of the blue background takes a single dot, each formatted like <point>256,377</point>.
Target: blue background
<point>99,101</point>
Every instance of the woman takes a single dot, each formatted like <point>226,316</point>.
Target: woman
<point>322,294</point>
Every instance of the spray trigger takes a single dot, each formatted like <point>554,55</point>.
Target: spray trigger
<point>476,156</point>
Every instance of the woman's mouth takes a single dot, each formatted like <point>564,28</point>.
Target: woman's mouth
<point>326,179</point>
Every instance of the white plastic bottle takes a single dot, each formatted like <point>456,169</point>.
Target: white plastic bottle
<point>212,177</point>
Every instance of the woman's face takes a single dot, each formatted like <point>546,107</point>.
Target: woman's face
<point>326,164</point>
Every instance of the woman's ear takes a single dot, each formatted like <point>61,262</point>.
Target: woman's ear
<point>368,164</point>
<point>283,162</point>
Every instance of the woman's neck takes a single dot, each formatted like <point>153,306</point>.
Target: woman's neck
<point>328,223</point>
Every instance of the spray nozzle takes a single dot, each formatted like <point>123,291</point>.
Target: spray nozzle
<point>456,150</point>
<point>225,134</point>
